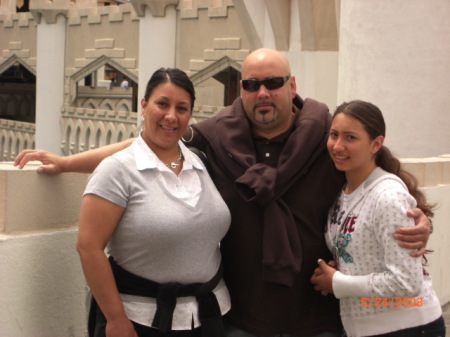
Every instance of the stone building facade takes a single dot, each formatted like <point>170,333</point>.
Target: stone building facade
<point>67,45</point>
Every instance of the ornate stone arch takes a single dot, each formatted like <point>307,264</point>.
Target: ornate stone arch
<point>122,133</point>
<point>107,104</point>
<point>98,135</point>
<point>67,140</point>
<point>112,130</point>
<point>18,145</point>
<point>90,104</point>
<point>77,139</point>
<point>2,145</point>
<point>89,139</point>
<point>109,133</point>
<point>28,141</point>
<point>133,130</point>
<point>9,147</point>
<point>123,105</point>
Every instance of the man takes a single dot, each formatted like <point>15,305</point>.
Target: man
<point>268,159</point>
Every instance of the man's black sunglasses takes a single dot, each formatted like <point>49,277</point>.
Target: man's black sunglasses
<point>271,83</point>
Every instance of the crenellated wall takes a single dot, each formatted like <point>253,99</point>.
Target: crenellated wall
<point>98,36</point>
<point>18,40</point>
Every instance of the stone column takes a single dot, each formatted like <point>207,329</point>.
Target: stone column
<point>51,32</point>
<point>396,54</point>
<point>157,38</point>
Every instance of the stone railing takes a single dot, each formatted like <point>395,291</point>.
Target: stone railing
<point>84,129</point>
<point>433,175</point>
<point>14,137</point>
<point>432,171</point>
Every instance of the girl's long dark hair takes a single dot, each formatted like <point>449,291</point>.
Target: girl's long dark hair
<point>370,116</point>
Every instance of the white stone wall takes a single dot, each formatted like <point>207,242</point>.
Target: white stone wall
<point>42,286</point>
<point>433,175</point>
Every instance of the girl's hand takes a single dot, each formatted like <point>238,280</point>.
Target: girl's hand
<point>323,278</point>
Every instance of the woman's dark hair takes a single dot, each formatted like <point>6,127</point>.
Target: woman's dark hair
<point>173,75</point>
<point>370,116</point>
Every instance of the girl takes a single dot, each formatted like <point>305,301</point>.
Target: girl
<point>383,291</point>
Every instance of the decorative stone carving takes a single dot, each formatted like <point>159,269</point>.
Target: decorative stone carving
<point>49,9</point>
<point>157,7</point>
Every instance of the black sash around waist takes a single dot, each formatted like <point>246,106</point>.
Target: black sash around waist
<point>166,298</point>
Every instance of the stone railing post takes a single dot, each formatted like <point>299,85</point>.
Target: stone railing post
<point>157,27</point>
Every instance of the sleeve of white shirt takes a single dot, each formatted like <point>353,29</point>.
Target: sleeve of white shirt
<point>109,181</point>
<point>350,285</point>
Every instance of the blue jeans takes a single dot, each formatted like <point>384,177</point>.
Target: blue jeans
<point>231,331</point>
<point>433,329</point>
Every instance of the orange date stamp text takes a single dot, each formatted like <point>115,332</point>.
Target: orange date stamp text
<point>379,302</point>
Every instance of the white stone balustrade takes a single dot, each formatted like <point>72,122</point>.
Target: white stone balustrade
<point>14,137</point>
<point>84,129</point>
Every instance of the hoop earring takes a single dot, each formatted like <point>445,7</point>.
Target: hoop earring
<point>192,135</point>
<point>142,122</point>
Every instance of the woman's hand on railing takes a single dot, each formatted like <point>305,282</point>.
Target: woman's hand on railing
<point>51,163</point>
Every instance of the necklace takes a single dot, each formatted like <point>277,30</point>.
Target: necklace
<point>173,165</point>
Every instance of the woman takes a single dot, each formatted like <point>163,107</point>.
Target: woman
<point>155,209</point>
<point>383,291</point>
